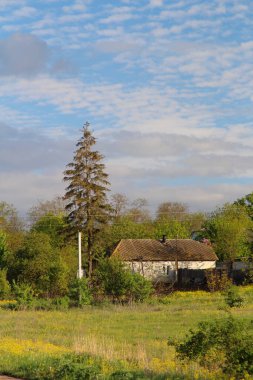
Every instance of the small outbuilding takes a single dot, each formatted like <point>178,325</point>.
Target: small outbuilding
<point>164,260</point>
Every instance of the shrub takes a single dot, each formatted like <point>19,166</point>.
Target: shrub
<point>226,344</point>
<point>139,287</point>
<point>232,297</point>
<point>217,281</point>
<point>4,285</point>
<point>60,303</point>
<point>80,293</point>
<point>24,295</point>
<point>248,274</point>
<point>117,282</point>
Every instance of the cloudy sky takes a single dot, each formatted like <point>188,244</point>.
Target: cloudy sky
<point>167,87</point>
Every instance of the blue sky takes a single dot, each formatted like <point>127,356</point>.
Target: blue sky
<point>166,85</point>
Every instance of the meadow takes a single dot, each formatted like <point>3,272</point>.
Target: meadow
<point>112,341</point>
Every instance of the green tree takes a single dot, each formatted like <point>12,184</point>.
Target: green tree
<point>228,230</point>
<point>52,225</point>
<point>124,228</point>
<point>247,202</point>
<point>87,205</point>
<point>116,281</point>
<point>172,229</point>
<point>4,284</point>
<point>38,264</point>
<point>3,249</point>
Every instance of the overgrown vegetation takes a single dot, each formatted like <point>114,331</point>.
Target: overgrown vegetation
<point>127,341</point>
<point>117,283</point>
<point>225,343</point>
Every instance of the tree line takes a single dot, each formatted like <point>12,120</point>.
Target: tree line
<point>43,251</point>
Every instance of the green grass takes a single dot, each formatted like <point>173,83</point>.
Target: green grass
<point>136,336</point>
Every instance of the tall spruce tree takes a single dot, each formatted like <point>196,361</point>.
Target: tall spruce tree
<point>87,205</point>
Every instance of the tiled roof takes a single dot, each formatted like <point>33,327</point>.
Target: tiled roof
<point>155,250</point>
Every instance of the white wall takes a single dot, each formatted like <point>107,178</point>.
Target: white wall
<point>165,270</point>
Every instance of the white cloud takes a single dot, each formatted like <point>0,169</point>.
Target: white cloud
<point>156,3</point>
<point>24,12</point>
<point>10,3</point>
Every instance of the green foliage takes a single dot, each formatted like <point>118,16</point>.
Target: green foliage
<point>247,202</point>
<point>3,248</point>
<point>80,293</point>
<point>139,288</point>
<point>117,282</point>
<point>225,343</point>
<point>52,225</point>
<point>217,281</point>
<point>4,285</point>
<point>40,265</point>
<point>78,367</point>
<point>125,228</point>
<point>172,229</point>
<point>227,229</point>
<point>24,295</point>
<point>248,274</point>
<point>112,279</point>
<point>69,258</point>
<point>232,297</point>
<point>61,303</point>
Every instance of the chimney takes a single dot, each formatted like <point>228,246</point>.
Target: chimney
<point>163,239</point>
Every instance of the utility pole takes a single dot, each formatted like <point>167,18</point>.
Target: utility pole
<point>80,272</point>
<point>176,261</point>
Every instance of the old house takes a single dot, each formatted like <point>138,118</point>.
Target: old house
<point>166,260</point>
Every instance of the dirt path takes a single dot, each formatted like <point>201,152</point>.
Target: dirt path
<point>8,378</point>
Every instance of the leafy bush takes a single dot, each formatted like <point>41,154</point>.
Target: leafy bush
<point>76,367</point>
<point>4,285</point>
<point>139,287</point>
<point>80,293</point>
<point>225,344</point>
<point>248,274</point>
<point>117,282</point>
<point>232,297</point>
<point>24,295</point>
<point>39,264</point>
<point>3,248</point>
<point>60,303</point>
<point>217,281</point>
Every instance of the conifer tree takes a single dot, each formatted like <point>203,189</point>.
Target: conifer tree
<point>87,205</point>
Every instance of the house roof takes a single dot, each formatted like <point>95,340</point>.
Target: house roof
<point>155,250</point>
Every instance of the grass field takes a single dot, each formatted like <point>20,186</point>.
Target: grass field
<point>134,337</point>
